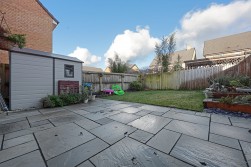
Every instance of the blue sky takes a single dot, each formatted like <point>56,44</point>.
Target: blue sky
<point>93,30</point>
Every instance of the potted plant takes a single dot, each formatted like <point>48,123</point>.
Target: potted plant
<point>85,94</point>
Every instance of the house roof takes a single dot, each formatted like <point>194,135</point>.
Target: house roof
<point>236,42</point>
<point>47,11</point>
<point>185,55</point>
<point>93,69</point>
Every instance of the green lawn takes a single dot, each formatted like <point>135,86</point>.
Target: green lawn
<point>191,100</point>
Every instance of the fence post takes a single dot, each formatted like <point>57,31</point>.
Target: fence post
<point>122,81</point>
<point>100,81</point>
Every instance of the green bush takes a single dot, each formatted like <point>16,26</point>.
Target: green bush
<point>136,86</point>
<point>63,100</point>
<point>236,81</point>
<point>227,100</point>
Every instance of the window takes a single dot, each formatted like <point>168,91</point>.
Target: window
<point>68,71</point>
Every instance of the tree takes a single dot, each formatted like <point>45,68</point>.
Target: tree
<point>164,50</point>
<point>117,65</point>
<point>178,64</point>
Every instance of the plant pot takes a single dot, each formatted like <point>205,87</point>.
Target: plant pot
<point>5,44</point>
<point>86,101</point>
<point>208,103</point>
<point>93,97</point>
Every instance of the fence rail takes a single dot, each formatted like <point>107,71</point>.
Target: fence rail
<point>195,78</point>
<point>103,81</point>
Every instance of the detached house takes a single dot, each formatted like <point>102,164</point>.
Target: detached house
<point>224,50</point>
<point>31,73</point>
<point>182,55</point>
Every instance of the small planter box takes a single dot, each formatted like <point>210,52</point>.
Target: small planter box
<point>209,103</point>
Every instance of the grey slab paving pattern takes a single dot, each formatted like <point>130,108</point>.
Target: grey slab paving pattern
<point>191,129</point>
<point>141,136</point>
<point>199,152</point>
<point>107,133</point>
<point>124,117</point>
<point>78,154</point>
<point>113,132</point>
<point>129,152</point>
<point>150,123</point>
<point>226,141</point>
<point>60,139</point>
<point>164,140</point>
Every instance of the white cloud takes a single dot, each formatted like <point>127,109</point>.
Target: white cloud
<point>215,21</point>
<point>132,45</point>
<point>84,55</point>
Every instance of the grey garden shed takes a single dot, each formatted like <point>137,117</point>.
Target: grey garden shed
<point>35,74</point>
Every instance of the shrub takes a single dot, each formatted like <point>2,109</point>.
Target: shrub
<point>227,100</point>
<point>136,86</point>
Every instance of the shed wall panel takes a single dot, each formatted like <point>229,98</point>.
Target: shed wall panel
<point>59,72</point>
<point>31,80</point>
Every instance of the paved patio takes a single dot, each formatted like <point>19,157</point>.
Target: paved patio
<point>107,133</point>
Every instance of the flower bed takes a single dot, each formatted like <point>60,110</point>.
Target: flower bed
<point>209,103</point>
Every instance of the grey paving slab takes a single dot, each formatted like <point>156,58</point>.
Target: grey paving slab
<point>119,106</point>
<point>196,130</point>
<point>124,117</point>
<point>182,111</point>
<point>154,108</point>
<point>157,113</point>
<point>39,123</point>
<point>226,141</point>
<point>231,131</point>
<point>150,123</point>
<point>203,153</point>
<point>141,136</point>
<point>99,115</point>
<point>21,114</point>
<point>1,140</point>
<point>86,164</point>
<point>241,122</point>
<point>48,115</point>
<point>78,155</point>
<point>87,124</point>
<point>11,120</point>
<point>92,108</point>
<point>18,141</point>
<point>51,110</point>
<point>81,112</point>
<point>60,139</point>
<point>57,121</point>
<point>113,132</point>
<point>164,140</point>
<point>220,119</point>
<point>143,112</point>
<point>27,131</point>
<point>12,127</point>
<point>203,114</point>
<point>16,151</point>
<point>129,152</point>
<point>104,121</point>
<point>247,151</point>
<point>188,118</point>
<point>130,110</point>
<point>32,159</point>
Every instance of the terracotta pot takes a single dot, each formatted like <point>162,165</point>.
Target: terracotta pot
<point>229,107</point>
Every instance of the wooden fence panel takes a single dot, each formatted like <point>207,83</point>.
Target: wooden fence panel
<point>101,81</point>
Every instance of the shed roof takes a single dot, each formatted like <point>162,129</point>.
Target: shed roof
<point>185,55</point>
<point>227,44</point>
<point>93,69</point>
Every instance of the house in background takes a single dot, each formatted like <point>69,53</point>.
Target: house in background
<point>132,69</point>
<point>27,75</point>
<point>224,50</point>
<point>184,55</point>
<point>91,69</point>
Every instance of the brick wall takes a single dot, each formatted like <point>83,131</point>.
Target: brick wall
<point>4,57</point>
<point>28,17</point>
